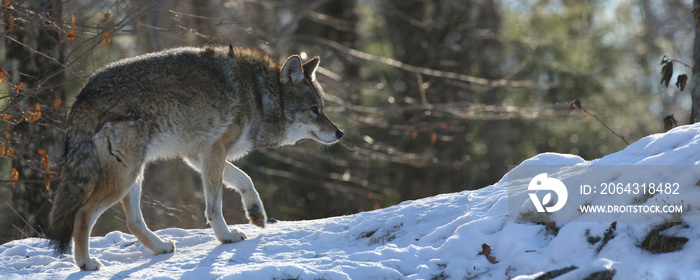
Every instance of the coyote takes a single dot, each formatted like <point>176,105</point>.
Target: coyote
<point>206,105</point>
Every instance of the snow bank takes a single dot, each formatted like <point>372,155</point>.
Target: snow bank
<point>466,235</point>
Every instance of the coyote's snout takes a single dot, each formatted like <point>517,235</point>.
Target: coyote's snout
<point>208,106</point>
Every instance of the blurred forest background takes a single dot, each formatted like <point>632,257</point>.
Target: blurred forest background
<point>434,96</point>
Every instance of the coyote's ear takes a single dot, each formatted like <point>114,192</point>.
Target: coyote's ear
<point>291,71</point>
<point>310,68</point>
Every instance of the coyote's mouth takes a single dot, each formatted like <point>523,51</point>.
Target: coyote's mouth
<point>319,139</point>
<point>315,137</point>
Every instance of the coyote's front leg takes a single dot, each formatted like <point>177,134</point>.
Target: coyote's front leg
<point>238,180</point>
<point>212,170</point>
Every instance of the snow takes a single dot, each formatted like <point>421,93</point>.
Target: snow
<point>439,237</point>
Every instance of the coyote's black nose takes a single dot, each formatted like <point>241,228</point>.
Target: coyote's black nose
<point>338,133</point>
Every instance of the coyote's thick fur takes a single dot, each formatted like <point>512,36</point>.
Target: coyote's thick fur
<point>207,105</point>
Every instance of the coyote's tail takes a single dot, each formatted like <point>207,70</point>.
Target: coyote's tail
<point>78,172</point>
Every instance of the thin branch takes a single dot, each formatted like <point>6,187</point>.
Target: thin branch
<point>606,126</point>
<point>576,104</point>
<point>29,181</point>
<point>46,201</point>
<point>24,221</point>
<point>666,58</point>
<point>191,15</point>
<point>132,16</point>
<point>301,13</point>
<point>35,51</point>
<point>463,110</point>
<point>427,71</point>
<point>337,23</point>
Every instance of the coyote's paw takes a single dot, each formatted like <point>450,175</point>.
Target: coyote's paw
<point>233,236</point>
<point>90,264</point>
<point>167,246</point>
<point>256,214</point>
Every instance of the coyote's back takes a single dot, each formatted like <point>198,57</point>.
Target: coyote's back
<point>127,90</point>
<point>206,105</point>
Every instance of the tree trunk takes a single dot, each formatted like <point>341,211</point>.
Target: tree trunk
<point>490,53</point>
<point>445,35</point>
<point>695,88</point>
<point>36,65</point>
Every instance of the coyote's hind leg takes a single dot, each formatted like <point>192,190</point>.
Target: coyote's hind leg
<point>119,151</point>
<point>137,226</point>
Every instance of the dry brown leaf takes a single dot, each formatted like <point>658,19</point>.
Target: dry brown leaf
<point>34,113</point>
<point>106,38</point>
<point>45,158</point>
<point>48,176</point>
<point>666,73</point>
<point>14,177</point>
<point>485,250</point>
<point>70,36</point>
<point>106,18</point>
<point>681,81</point>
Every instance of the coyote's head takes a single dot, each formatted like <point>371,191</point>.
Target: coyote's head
<point>303,103</point>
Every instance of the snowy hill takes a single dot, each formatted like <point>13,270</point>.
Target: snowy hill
<point>491,233</point>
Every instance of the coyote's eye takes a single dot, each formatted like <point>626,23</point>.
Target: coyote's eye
<point>314,109</point>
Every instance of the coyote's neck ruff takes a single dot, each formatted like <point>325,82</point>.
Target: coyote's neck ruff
<point>205,105</point>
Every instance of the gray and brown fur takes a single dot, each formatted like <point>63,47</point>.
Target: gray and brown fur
<point>208,106</point>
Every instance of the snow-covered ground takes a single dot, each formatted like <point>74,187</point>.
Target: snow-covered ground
<point>466,235</point>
